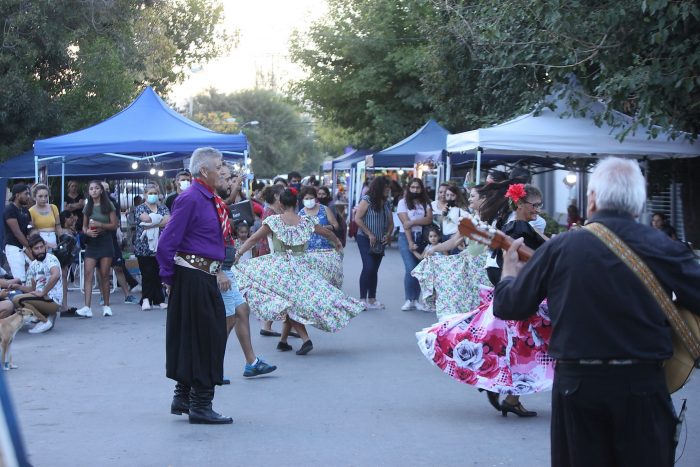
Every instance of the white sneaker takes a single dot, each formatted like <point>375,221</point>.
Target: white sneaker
<point>375,306</point>
<point>409,305</point>
<point>145,305</point>
<point>106,311</point>
<point>420,306</point>
<point>136,289</point>
<point>85,312</point>
<point>42,327</point>
<point>163,306</point>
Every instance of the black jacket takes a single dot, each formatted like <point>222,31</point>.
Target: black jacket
<point>598,307</point>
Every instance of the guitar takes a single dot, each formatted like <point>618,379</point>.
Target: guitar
<point>487,235</point>
<point>677,369</point>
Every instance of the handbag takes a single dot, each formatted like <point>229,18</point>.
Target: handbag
<point>684,324</point>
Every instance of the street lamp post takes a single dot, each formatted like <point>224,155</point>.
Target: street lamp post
<point>246,160</point>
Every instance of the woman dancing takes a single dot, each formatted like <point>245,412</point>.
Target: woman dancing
<point>502,357</point>
<point>455,283</point>
<point>271,283</point>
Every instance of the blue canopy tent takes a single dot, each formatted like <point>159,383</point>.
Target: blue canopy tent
<point>431,137</point>
<point>147,132</point>
<point>347,162</point>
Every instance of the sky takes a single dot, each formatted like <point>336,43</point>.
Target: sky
<point>265,27</point>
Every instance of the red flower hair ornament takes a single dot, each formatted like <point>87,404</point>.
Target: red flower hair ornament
<point>515,193</point>
<point>294,191</point>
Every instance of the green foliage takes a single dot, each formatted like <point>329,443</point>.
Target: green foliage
<point>67,65</point>
<point>283,140</point>
<point>380,68</point>
<point>363,75</point>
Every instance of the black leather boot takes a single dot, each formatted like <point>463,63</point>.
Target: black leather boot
<point>201,411</point>
<point>181,400</point>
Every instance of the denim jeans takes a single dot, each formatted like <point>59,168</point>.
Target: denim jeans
<point>411,287</point>
<point>370,267</point>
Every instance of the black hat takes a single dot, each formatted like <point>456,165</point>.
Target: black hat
<point>19,188</point>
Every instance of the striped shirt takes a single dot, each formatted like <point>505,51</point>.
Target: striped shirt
<point>376,221</point>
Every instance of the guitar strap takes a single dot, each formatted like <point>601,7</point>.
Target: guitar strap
<point>642,271</point>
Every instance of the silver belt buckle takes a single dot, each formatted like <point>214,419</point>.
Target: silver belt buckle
<point>214,267</point>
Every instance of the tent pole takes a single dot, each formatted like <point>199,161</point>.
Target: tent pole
<point>478,165</point>
<point>63,179</point>
<point>36,169</point>
<point>448,167</point>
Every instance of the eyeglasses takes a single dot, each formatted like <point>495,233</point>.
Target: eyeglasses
<point>535,205</point>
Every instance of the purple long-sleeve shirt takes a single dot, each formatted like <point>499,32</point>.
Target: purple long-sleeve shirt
<point>193,228</point>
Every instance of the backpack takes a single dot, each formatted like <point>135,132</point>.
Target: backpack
<point>64,249</point>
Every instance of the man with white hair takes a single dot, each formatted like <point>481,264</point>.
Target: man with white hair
<point>610,337</point>
<point>190,252</point>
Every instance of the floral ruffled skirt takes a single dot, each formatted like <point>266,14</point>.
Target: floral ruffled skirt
<point>451,283</point>
<point>278,285</point>
<point>507,357</point>
<point>328,263</point>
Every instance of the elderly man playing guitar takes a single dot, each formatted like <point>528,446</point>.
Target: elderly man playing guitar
<point>611,335</point>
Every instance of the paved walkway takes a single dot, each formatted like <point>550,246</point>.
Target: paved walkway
<point>94,393</point>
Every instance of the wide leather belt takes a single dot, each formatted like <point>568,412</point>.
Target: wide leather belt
<point>210,266</point>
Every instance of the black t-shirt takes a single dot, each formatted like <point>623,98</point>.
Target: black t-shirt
<point>23,219</point>
<point>78,212</point>
<point>170,200</point>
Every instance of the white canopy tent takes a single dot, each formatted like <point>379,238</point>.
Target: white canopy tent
<point>567,133</point>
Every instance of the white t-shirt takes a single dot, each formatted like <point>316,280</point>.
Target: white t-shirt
<point>40,271</point>
<point>418,212</point>
<point>450,222</point>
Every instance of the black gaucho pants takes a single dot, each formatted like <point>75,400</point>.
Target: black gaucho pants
<point>611,415</point>
<point>195,330</point>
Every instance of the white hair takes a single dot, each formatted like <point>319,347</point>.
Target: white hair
<point>619,185</point>
<point>204,158</point>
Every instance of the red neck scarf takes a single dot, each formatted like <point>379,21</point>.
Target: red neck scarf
<point>221,211</point>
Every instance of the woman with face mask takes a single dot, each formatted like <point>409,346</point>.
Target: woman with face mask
<point>151,216</point>
<point>326,218</point>
<point>322,255</point>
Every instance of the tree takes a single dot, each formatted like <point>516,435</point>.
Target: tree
<point>362,60</point>
<point>67,65</point>
<point>641,57</point>
<point>284,140</point>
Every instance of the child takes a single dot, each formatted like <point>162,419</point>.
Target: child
<point>434,236</point>
<point>242,234</point>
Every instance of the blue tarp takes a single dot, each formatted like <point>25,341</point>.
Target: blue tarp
<point>346,161</point>
<point>146,129</point>
<point>431,137</point>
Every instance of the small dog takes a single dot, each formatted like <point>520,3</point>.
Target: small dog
<point>9,327</point>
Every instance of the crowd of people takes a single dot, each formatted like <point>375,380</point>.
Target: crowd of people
<point>506,328</point>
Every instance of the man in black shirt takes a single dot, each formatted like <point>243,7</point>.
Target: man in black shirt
<point>17,221</point>
<point>610,403</point>
<point>182,182</point>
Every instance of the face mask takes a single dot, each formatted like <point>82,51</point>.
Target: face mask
<point>324,201</point>
<point>296,186</point>
<point>451,203</point>
<point>309,203</point>
<point>152,199</point>
<point>184,184</point>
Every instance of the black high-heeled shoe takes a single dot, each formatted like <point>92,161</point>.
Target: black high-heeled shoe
<point>493,400</point>
<point>517,409</point>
